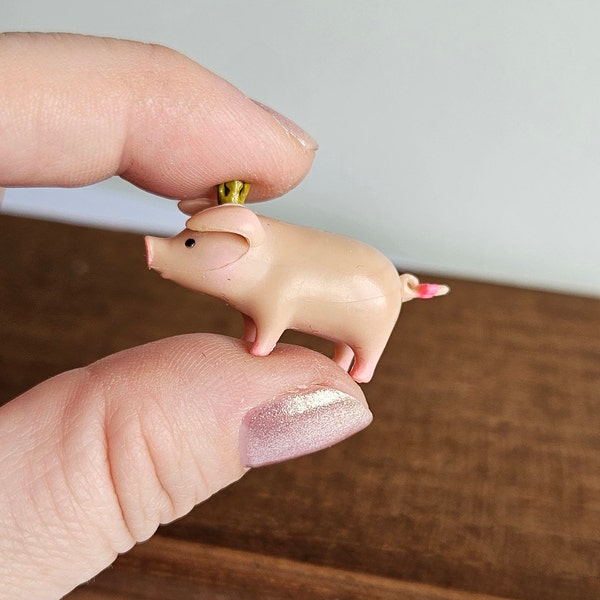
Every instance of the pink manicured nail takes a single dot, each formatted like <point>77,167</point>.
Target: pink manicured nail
<point>299,424</point>
<point>292,128</point>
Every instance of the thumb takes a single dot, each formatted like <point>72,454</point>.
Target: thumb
<point>95,459</point>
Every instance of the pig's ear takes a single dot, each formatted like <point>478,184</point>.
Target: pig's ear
<point>229,218</point>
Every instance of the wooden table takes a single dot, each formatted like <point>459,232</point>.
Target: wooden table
<point>479,477</point>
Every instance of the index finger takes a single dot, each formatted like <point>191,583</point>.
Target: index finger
<point>75,110</point>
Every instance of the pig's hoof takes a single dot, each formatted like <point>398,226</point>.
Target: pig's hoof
<point>362,373</point>
<point>258,349</point>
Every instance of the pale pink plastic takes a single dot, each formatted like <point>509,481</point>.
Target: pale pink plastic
<point>282,276</point>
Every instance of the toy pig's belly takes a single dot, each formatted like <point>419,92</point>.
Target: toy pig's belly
<point>348,322</point>
<point>330,285</point>
<point>346,306</point>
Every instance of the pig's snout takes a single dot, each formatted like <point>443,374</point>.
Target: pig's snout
<point>152,244</point>
<point>148,241</point>
<point>158,254</point>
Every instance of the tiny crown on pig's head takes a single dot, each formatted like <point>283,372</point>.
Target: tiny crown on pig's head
<point>229,218</point>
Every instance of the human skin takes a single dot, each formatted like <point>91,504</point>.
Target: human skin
<point>93,460</point>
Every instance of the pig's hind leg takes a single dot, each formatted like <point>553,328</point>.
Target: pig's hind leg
<point>363,368</point>
<point>366,360</point>
<point>343,355</point>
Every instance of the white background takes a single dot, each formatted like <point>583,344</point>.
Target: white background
<point>460,137</point>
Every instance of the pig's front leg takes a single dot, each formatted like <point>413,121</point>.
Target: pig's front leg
<point>249,334</point>
<point>269,328</point>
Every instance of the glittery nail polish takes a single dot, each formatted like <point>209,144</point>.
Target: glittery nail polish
<point>299,424</point>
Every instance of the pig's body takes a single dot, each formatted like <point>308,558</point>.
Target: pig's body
<point>282,276</point>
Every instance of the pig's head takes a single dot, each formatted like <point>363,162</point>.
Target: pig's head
<point>205,255</point>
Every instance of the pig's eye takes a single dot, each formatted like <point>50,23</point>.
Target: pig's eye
<point>190,242</point>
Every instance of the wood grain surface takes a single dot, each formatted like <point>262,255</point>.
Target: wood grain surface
<point>479,477</point>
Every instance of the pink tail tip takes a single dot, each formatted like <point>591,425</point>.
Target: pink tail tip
<point>431,290</point>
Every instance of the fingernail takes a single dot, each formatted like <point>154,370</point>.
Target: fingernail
<point>292,128</point>
<point>299,424</point>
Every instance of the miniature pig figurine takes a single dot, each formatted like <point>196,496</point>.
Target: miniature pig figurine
<point>282,276</point>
